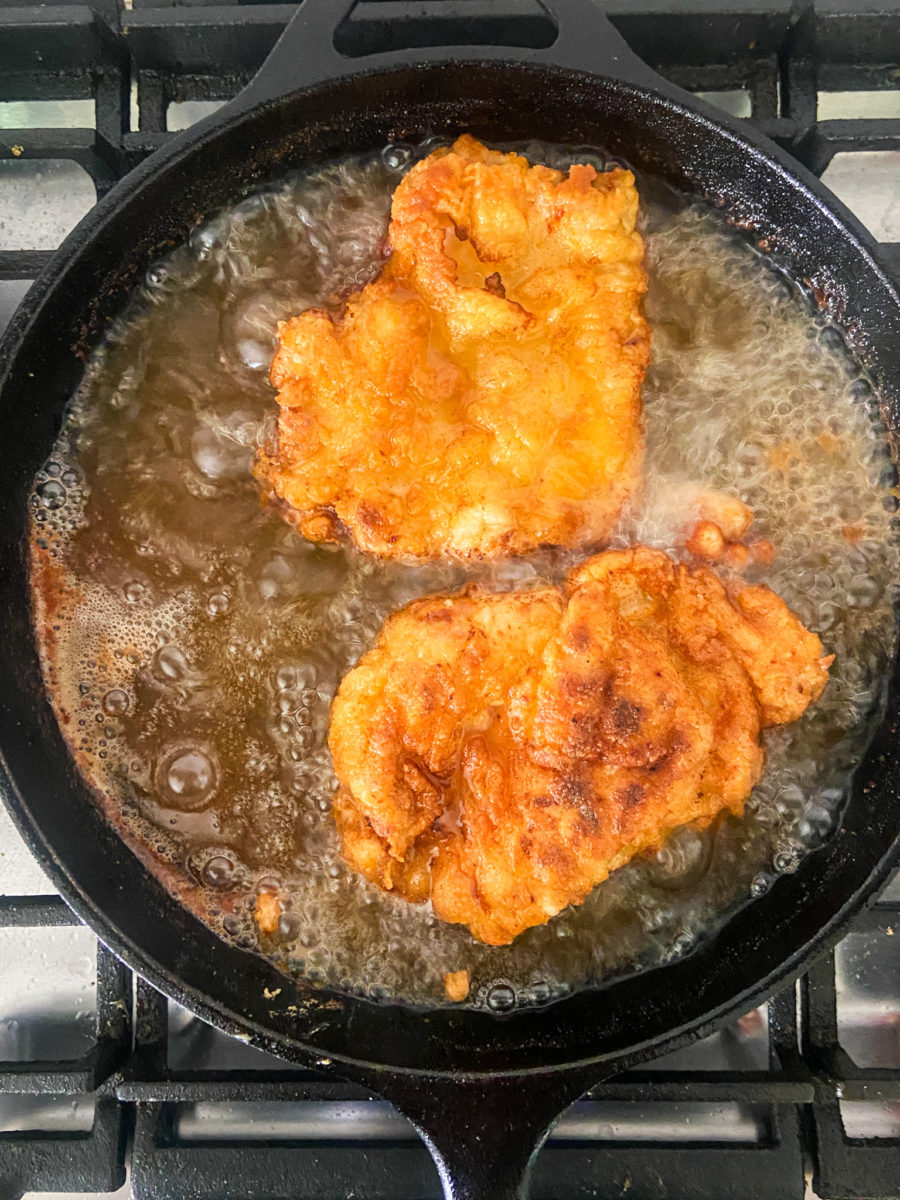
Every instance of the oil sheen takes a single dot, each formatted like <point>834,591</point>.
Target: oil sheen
<point>192,641</point>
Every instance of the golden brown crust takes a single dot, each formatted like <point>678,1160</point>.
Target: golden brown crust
<point>502,753</point>
<point>482,396</point>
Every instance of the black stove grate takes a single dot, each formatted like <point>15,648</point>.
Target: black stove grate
<point>793,1100</point>
<point>784,1114</point>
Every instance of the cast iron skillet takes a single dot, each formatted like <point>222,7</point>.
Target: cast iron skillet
<point>482,1090</point>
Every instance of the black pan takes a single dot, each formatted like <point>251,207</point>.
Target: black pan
<point>483,1090</point>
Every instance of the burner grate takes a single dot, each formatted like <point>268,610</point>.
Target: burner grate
<point>293,1132</point>
<point>197,1115</point>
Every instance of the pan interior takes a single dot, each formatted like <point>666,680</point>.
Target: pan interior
<point>200,640</point>
<point>201,960</point>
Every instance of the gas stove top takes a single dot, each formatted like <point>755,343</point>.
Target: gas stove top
<point>108,1087</point>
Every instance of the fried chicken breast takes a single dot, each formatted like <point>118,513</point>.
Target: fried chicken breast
<point>482,396</point>
<point>503,753</point>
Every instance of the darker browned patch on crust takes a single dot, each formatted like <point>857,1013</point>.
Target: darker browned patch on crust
<point>426,793</point>
<point>679,742</point>
<point>580,638</point>
<point>321,525</point>
<point>631,796</point>
<point>568,789</point>
<point>369,516</point>
<point>493,284</point>
<point>625,716</point>
<point>576,793</point>
<point>555,858</point>
<point>657,761</point>
<point>584,740</point>
<point>573,686</point>
<point>443,615</point>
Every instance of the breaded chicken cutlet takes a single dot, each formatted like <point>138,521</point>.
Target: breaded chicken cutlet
<point>482,396</point>
<point>503,753</point>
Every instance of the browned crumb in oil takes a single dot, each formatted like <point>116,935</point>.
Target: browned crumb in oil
<point>722,540</point>
<point>854,533</point>
<point>719,534</point>
<point>785,455</point>
<point>732,516</point>
<point>268,912</point>
<point>706,540</point>
<point>456,985</point>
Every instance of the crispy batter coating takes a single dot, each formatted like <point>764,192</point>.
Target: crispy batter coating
<point>482,396</point>
<point>502,753</point>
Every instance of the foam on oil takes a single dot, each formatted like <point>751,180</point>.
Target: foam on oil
<point>193,641</point>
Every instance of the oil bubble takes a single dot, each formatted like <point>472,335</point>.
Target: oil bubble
<point>52,494</point>
<point>115,702</point>
<point>186,779</point>
<point>832,338</point>
<point>170,664</point>
<point>682,943</point>
<point>203,238</point>
<point>286,678</point>
<point>134,591</point>
<point>759,885</point>
<point>539,992</point>
<point>289,925</point>
<point>216,457</point>
<point>787,860</point>
<point>397,157</point>
<point>501,998</point>
<point>219,871</point>
<point>217,604</point>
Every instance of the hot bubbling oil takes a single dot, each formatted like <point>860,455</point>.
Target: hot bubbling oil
<point>193,641</point>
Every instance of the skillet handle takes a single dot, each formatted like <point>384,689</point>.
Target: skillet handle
<point>306,54</point>
<point>484,1133</point>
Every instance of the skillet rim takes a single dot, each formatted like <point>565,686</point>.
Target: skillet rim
<point>210,1007</point>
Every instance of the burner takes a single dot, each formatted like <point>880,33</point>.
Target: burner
<point>100,1074</point>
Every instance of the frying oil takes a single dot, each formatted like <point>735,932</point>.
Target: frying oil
<point>193,641</point>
